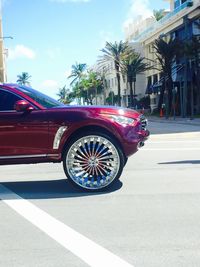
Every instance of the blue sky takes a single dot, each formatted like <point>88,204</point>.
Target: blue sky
<point>51,35</point>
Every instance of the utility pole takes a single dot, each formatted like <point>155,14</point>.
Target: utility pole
<point>2,61</point>
<point>3,76</point>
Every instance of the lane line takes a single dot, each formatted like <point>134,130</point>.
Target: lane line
<point>174,141</point>
<point>88,251</point>
<point>171,149</point>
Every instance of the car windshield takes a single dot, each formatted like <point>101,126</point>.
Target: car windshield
<point>39,97</point>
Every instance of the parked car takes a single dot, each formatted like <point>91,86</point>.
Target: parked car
<point>93,142</point>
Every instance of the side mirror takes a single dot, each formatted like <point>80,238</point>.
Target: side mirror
<point>22,106</point>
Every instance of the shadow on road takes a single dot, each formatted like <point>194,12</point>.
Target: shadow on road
<point>52,189</point>
<point>181,162</point>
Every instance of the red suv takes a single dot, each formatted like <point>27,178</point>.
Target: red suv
<point>93,142</point>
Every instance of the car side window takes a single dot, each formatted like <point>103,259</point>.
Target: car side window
<point>7,100</point>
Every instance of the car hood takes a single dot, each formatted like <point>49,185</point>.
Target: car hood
<point>103,110</point>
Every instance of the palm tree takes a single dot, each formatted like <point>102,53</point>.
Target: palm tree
<point>96,83</point>
<point>77,72</point>
<point>65,96</point>
<point>158,14</point>
<point>92,85</point>
<point>85,85</point>
<point>166,52</point>
<point>24,78</point>
<point>113,52</point>
<point>132,65</point>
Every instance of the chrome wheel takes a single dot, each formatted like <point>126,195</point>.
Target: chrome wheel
<point>93,162</point>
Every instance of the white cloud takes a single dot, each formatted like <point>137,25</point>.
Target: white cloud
<point>138,9</point>
<point>21,51</point>
<point>72,1</point>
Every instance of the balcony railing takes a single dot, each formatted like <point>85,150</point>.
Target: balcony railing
<point>159,23</point>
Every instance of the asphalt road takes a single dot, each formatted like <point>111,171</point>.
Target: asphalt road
<point>150,219</point>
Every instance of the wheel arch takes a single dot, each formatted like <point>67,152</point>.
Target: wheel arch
<point>94,128</point>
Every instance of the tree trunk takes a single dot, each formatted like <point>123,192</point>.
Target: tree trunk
<point>134,95</point>
<point>119,89</point>
<point>170,93</point>
<point>131,93</point>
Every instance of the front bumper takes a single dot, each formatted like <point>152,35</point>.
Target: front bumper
<point>135,137</point>
<point>143,133</point>
<point>143,136</point>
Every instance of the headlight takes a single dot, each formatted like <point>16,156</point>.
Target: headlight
<point>122,120</point>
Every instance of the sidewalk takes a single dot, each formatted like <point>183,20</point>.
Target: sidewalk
<point>177,120</point>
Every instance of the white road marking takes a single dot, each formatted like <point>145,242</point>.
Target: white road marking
<point>174,141</point>
<point>90,252</point>
<point>172,149</point>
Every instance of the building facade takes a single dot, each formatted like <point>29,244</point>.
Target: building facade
<point>110,94</point>
<point>182,23</point>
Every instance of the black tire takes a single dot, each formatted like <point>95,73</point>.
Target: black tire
<point>93,161</point>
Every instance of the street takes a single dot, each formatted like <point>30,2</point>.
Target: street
<point>151,217</point>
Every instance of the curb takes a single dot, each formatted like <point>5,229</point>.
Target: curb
<point>176,121</point>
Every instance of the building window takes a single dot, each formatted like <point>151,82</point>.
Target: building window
<point>195,27</point>
<point>153,101</point>
<point>151,48</point>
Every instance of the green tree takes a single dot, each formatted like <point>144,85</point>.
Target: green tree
<point>23,78</point>
<point>113,52</point>
<point>78,92</point>
<point>77,72</point>
<point>65,96</point>
<point>132,65</point>
<point>158,14</point>
<point>92,85</point>
<point>111,99</point>
<point>95,84</point>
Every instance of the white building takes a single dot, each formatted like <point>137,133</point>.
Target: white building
<point>147,31</point>
<point>110,94</point>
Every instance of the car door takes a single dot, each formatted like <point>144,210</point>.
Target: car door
<point>21,133</point>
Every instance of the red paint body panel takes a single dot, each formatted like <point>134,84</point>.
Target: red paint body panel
<point>31,134</point>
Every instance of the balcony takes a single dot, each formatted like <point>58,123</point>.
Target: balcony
<point>161,22</point>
